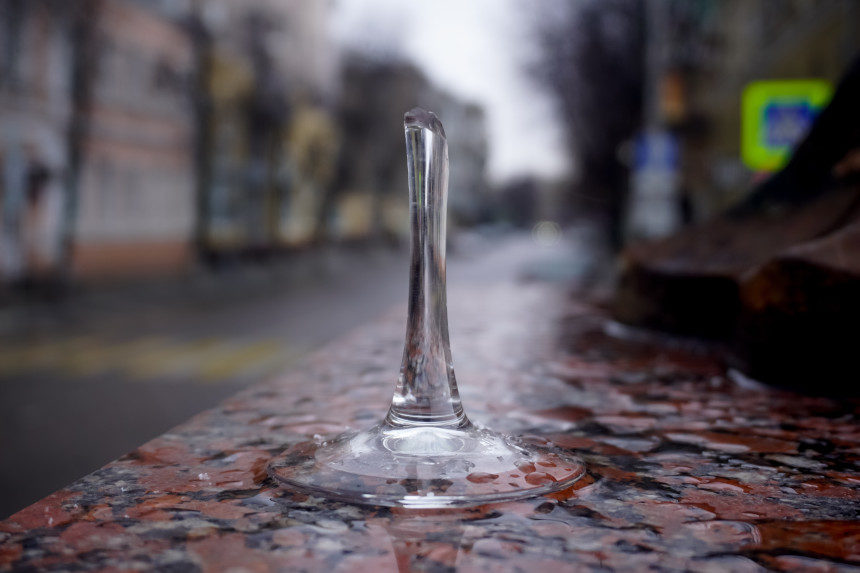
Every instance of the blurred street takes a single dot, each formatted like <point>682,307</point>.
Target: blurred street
<point>86,380</point>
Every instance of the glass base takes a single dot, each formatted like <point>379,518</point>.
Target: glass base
<point>425,467</point>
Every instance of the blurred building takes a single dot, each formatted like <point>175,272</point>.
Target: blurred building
<point>35,115</point>
<point>269,72</point>
<point>136,135</point>
<point>466,128</point>
<point>135,204</point>
<point>95,139</point>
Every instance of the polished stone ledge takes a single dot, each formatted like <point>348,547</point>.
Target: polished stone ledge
<point>687,469</point>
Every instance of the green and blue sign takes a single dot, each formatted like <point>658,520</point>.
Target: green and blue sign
<point>776,114</point>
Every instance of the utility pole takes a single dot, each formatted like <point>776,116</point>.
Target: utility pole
<point>652,208</point>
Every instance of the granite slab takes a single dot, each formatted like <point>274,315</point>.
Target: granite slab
<point>689,467</point>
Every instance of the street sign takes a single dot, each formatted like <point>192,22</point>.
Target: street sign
<point>652,209</point>
<point>776,114</point>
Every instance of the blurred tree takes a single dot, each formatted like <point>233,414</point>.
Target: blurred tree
<point>519,202</point>
<point>267,115</point>
<point>375,94</point>
<point>591,57</point>
<point>203,43</point>
<point>86,45</point>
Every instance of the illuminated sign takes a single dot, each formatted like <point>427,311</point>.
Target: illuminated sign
<point>776,114</point>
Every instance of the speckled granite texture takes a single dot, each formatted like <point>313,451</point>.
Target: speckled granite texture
<point>687,469</point>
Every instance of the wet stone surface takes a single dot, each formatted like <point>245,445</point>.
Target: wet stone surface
<point>687,470</point>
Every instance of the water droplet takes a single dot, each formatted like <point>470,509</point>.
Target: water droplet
<point>539,478</point>
<point>480,477</point>
<point>526,467</point>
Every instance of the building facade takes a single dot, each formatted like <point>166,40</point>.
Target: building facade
<point>96,140</point>
<point>137,135</point>
<point>135,206</point>
<point>35,115</point>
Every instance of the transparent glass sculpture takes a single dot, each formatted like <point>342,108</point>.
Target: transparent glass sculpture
<point>426,453</point>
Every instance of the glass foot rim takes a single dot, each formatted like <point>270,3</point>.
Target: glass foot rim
<point>302,478</point>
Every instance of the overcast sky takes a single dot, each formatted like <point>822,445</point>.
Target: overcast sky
<point>475,49</point>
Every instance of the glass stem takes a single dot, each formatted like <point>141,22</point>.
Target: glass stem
<point>426,391</point>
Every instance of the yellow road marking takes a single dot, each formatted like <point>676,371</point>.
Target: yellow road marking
<point>149,358</point>
<point>104,357</point>
<point>181,358</point>
<point>41,355</point>
<point>242,358</point>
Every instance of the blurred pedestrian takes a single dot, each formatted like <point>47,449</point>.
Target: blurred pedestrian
<point>40,232</point>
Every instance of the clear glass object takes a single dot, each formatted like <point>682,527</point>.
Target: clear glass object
<point>426,453</point>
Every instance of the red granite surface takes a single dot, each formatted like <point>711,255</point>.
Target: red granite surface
<point>688,470</point>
